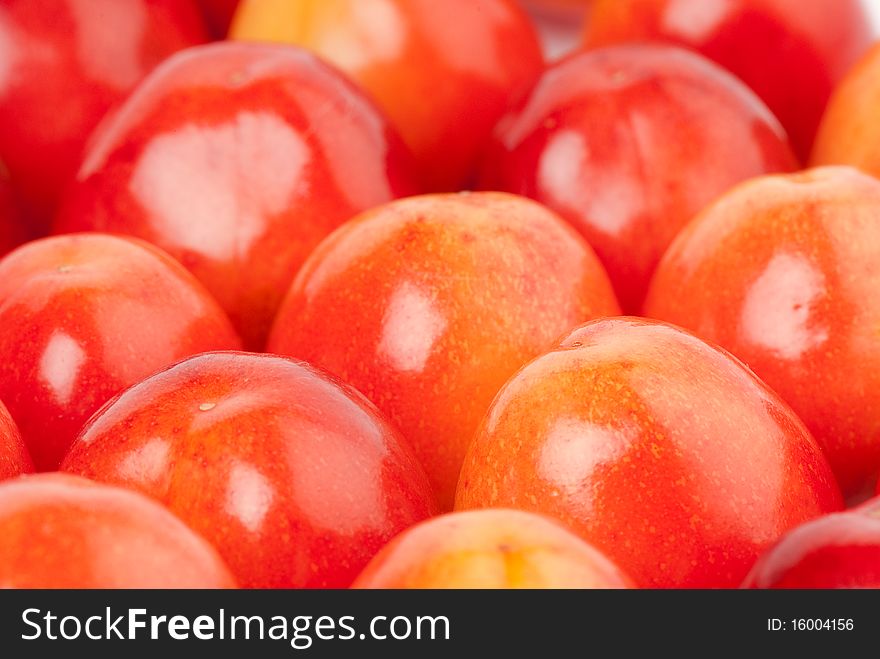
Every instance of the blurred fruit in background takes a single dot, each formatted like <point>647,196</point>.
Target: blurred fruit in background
<point>63,65</point>
<point>490,549</point>
<point>237,159</point>
<point>576,8</point>
<point>628,143</point>
<point>663,452</point>
<point>12,231</point>
<point>783,271</point>
<point>85,316</point>
<point>218,15</point>
<point>559,23</point>
<point>427,305</point>
<point>790,52</point>
<point>297,480</point>
<point>443,71</point>
<point>850,130</point>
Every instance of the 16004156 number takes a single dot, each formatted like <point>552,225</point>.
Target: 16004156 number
<point>821,624</point>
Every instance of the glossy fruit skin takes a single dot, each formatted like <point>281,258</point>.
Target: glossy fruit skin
<point>490,549</point>
<point>60,531</point>
<point>628,143</point>
<point>66,64</point>
<point>849,133</point>
<point>791,53</point>
<point>782,271</point>
<point>443,72</point>
<point>237,159</point>
<point>660,450</point>
<point>834,551</point>
<point>297,480</point>
<point>85,316</point>
<point>428,304</point>
<point>14,458</point>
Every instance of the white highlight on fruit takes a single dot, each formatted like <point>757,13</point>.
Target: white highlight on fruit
<point>411,326</point>
<point>380,34</point>
<point>560,167</point>
<point>607,194</point>
<point>60,364</point>
<point>574,450</point>
<point>693,20</point>
<point>249,496</point>
<point>148,464</point>
<point>776,312</point>
<point>211,188</point>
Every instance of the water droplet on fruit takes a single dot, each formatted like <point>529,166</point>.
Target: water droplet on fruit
<point>204,407</point>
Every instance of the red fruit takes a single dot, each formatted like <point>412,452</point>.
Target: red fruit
<point>628,144</point>
<point>565,8</point>
<point>296,480</point>
<point>427,305</point>
<point>238,159</point>
<point>14,458</point>
<point>443,71</point>
<point>835,551</point>
<point>490,549</point>
<point>790,52</point>
<point>850,133</point>
<point>783,272</point>
<point>663,452</point>
<point>11,229</point>
<point>85,316</point>
<point>63,65</point>
<point>218,15</point>
<point>59,531</point>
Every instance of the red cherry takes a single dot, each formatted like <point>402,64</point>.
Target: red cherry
<point>663,452</point>
<point>835,551</point>
<point>60,531</point>
<point>628,144</point>
<point>238,159</point>
<point>443,71</point>
<point>790,52</point>
<point>85,316</point>
<point>849,133</point>
<point>297,480</point>
<point>783,272</point>
<point>65,63</point>
<point>428,304</point>
<point>490,549</point>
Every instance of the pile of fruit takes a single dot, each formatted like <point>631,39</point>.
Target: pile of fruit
<point>376,293</point>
